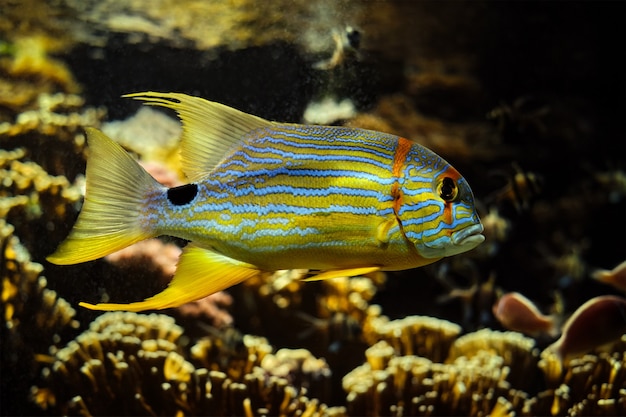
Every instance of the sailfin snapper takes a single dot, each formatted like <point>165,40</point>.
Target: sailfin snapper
<point>265,196</point>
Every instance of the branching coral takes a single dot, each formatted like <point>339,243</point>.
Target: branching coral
<point>40,163</point>
<point>37,171</point>
<point>325,313</point>
<point>26,62</point>
<point>35,318</point>
<point>33,200</point>
<point>29,309</point>
<point>150,256</point>
<point>239,355</point>
<point>486,372</point>
<point>414,385</point>
<point>111,367</point>
<point>57,115</point>
<point>213,308</point>
<point>32,59</point>
<point>414,335</point>
<point>592,384</point>
<point>518,353</point>
<point>155,137</point>
<point>231,352</point>
<point>133,363</point>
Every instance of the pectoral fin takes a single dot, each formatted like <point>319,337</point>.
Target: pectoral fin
<point>200,273</point>
<point>348,272</point>
<point>382,232</point>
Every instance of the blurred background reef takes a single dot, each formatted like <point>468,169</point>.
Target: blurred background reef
<point>527,100</point>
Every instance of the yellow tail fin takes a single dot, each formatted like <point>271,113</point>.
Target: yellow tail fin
<point>200,273</point>
<point>110,217</point>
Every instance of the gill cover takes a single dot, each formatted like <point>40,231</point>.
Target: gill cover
<point>437,213</point>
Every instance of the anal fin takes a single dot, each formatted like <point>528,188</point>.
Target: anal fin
<point>200,273</point>
<point>348,272</point>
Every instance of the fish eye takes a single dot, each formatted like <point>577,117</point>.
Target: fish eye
<point>447,189</point>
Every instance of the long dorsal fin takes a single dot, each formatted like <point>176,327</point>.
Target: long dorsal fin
<point>210,130</point>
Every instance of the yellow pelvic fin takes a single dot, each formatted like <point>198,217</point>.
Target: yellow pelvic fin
<point>348,272</point>
<point>200,273</point>
<point>210,130</point>
<point>111,213</point>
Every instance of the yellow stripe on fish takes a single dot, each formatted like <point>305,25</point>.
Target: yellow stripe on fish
<point>266,196</point>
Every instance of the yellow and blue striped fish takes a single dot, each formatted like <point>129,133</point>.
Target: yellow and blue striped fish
<point>265,196</point>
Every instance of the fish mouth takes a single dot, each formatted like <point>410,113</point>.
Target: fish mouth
<point>470,236</point>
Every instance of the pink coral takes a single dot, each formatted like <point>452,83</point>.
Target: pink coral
<point>161,173</point>
<point>159,256</point>
<point>211,307</point>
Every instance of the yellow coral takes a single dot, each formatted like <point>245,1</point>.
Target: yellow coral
<point>134,363</point>
<point>59,115</point>
<point>32,59</point>
<point>34,316</point>
<point>410,385</point>
<point>414,335</point>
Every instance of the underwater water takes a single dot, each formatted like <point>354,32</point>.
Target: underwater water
<point>526,100</point>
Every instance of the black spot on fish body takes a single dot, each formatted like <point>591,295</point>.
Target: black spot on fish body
<point>179,196</point>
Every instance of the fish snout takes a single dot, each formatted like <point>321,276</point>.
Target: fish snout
<point>466,239</point>
<point>469,236</point>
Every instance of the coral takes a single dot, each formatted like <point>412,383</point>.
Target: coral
<point>213,308</point>
<point>40,166</point>
<point>155,137</point>
<point>324,316</point>
<point>28,70</point>
<point>592,384</point>
<point>485,372</point>
<point>16,94</point>
<point>132,363</point>
<point>414,335</point>
<point>42,156</point>
<point>57,115</point>
<point>152,255</point>
<point>517,351</point>
<point>30,18</point>
<point>301,369</point>
<point>350,296</point>
<point>35,317</point>
<point>328,111</point>
<point>414,385</point>
<point>162,173</point>
<point>26,302</point>
<point>228,350</point>
<point>113,365</point>
<point>209,26</point>
<point>33,200</point>
<point>32,59</point>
